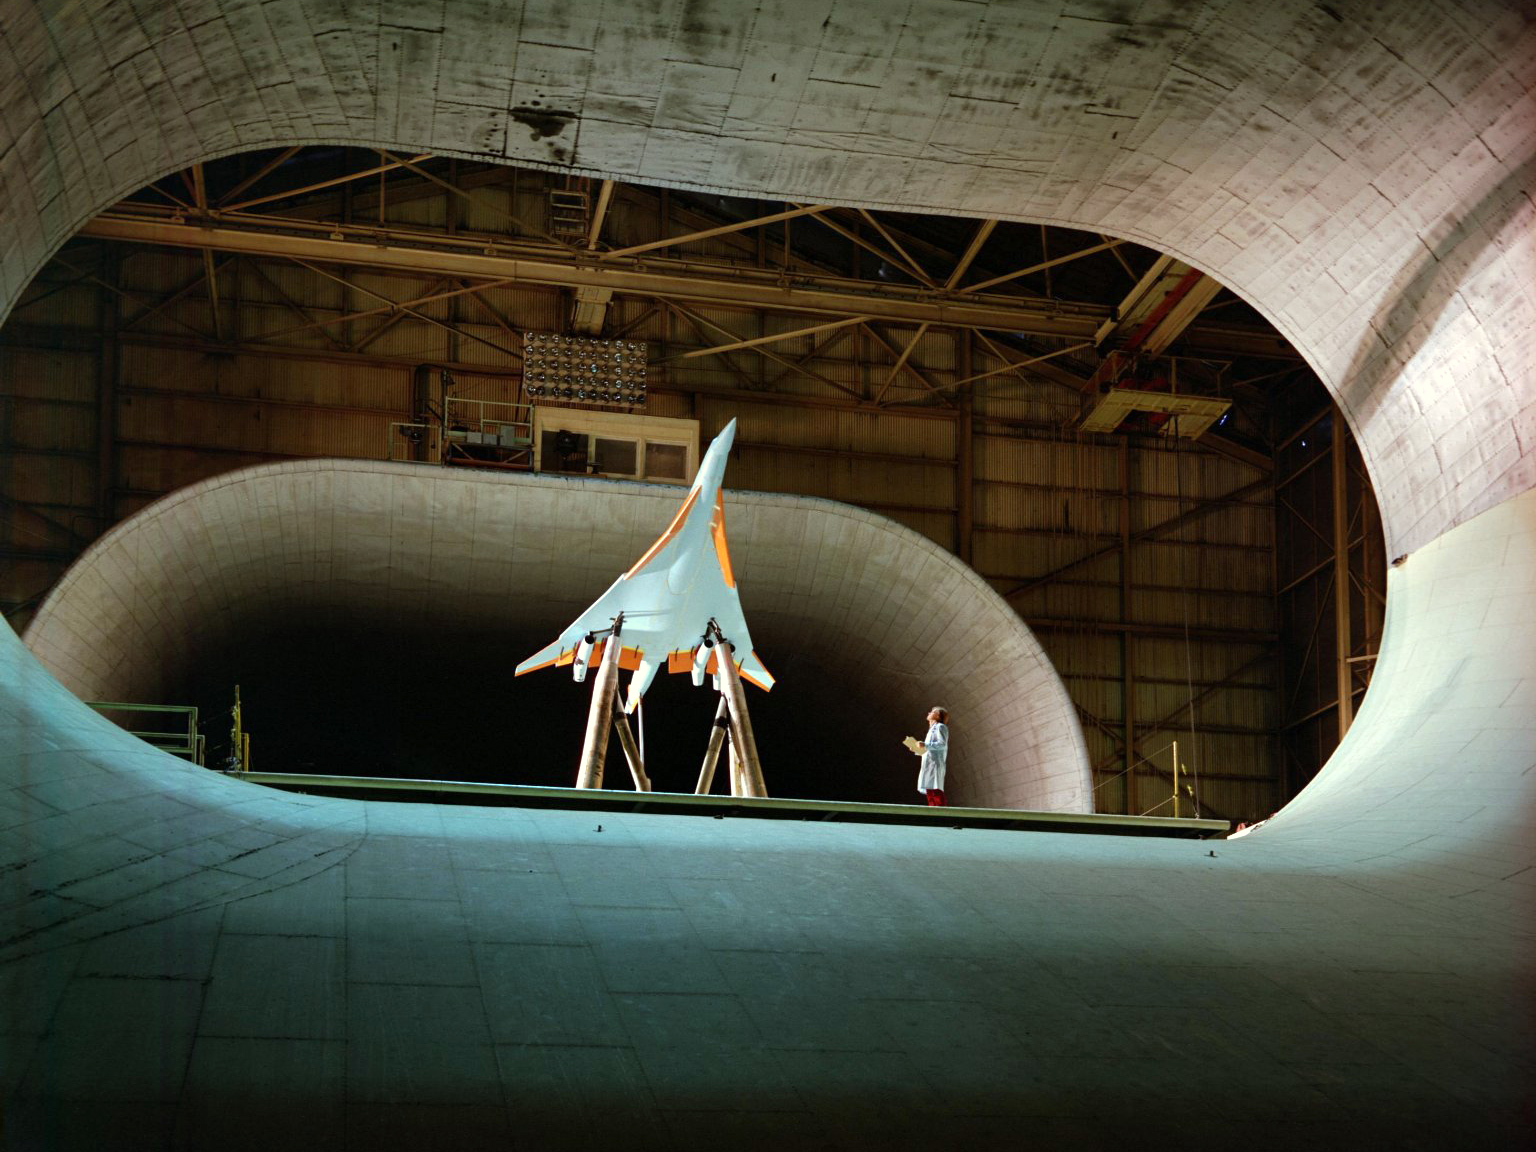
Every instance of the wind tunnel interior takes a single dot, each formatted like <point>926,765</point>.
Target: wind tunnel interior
<point>385,697</point>
<point>372,615</point>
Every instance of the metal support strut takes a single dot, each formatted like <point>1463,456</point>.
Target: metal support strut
<point>594,746</point>
<point>742,742</point>
<point>717,735</point>
<point>631,749</point>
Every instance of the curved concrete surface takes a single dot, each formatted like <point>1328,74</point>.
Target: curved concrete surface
<point>196,958</point>
<point>880,619</point>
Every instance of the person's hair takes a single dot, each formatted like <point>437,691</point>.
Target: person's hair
<point>943,713</point>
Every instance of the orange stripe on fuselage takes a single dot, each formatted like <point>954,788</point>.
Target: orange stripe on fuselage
<point>672,530</point>
<point>717,530</point>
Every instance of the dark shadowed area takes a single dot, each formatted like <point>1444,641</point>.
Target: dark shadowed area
<point>390,699</point>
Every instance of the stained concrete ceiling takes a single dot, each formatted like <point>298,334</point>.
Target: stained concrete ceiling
<point>1301,157</point>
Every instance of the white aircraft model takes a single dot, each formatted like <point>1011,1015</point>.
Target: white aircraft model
<point>675,604</point>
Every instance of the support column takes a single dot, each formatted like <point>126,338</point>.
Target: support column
<point>1372,564</point>
<point>594,747</point>
<point>733,766</point>
<point>712,753</point>
<point>108,373</point>
<point>742,742</point>
<point>1175,779</point>
<point>451,219</point>
<point>631,749</point>
<point>965,445</point>
<point>1344,672</point>
<point>1127,641</point>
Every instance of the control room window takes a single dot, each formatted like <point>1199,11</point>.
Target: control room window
<point>666,461</point>
<point>615,457</point>
<point>563,451</point>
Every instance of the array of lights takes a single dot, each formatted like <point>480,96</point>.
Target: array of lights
<point>583,370</point>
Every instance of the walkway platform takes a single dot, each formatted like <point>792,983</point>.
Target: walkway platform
<point>688,804</point>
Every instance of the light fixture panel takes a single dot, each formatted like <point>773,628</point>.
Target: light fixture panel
<point>583,370</point>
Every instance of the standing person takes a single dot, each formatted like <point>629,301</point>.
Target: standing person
<point>930,777</point>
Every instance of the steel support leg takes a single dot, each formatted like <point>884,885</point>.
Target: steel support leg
<point>594,747</point>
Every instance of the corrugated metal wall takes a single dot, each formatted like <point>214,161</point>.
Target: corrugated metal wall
<point>1307,584</point>
<point>48,435</point>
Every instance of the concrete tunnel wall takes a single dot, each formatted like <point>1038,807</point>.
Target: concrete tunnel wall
<point>879,620</point>
<point>1358,973</point>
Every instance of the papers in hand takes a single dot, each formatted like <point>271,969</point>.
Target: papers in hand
<point>914,745</point>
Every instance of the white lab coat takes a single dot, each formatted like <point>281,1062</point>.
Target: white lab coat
<point>936,743</point>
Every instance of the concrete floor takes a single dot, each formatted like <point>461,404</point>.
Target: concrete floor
<point>194,961</point>
<point>331,973</point>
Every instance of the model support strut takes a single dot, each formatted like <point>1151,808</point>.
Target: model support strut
<point>743,744</point>
<point>594,746</point>
<point>717,735</point>
<point>631,749</point>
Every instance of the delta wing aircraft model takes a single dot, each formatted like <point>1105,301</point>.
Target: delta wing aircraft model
<point>678,604</point>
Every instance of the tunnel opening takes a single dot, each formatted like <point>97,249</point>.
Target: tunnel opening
<point>363,646</point>
<point>411,700</point>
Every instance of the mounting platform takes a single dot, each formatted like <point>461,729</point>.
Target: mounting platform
<point>762,808</point>
<point>1188,416</point>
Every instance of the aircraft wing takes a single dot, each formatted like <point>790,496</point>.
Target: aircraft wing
<point>714,596</point>
<point>621,597</point>
<point>639,594</point>
<point>669,597</point>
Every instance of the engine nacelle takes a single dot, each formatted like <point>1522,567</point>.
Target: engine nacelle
<point>701,662</point>
<point>582,659</point>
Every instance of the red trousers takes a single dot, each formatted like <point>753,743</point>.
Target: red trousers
<point>935,797</point>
